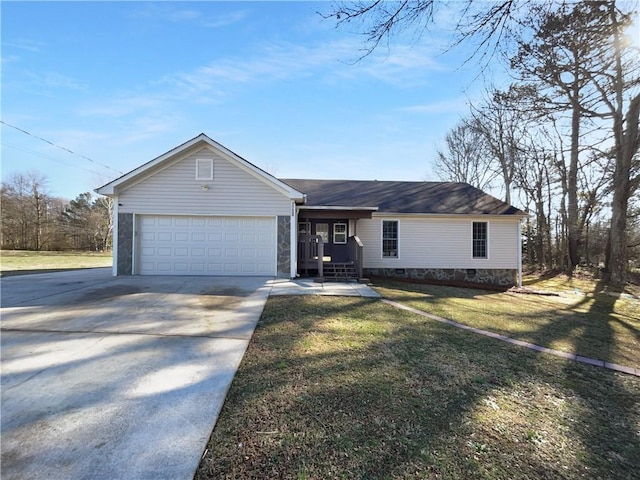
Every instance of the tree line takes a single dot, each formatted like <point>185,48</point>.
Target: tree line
<point>33,219</point>
<point>561,140</point>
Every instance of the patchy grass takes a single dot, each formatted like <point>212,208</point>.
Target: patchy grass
<point>587,323</point>
<point>353,388</point>
<point>579,284</point>
<point>20,262</point>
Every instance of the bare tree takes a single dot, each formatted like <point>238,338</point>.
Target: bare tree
<point>26,219</point>
<point>535,181</point>
<point>486,24</point>
<point>581,65</point>
<point>464,157</point>
<point>502,125</point>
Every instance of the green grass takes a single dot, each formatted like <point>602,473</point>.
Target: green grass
<point>353,388</point>
<point>584,322</point>
<point>20,262</point>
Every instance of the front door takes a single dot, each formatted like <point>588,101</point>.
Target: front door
<point>334,234</point>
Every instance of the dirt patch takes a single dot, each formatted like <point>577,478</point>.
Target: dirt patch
<point>226,291</point>
<point>106,293</point>
<point>222,297</point>
<point>215,302</point>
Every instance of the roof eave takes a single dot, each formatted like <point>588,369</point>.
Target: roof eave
<point>337,208</point>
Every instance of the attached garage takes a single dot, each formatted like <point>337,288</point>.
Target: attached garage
<point>206,245</point>
<point>200,209</point>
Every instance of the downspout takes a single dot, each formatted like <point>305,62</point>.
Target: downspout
<point>114,241</point>
<point>519,233</point>
<point>293,270</point>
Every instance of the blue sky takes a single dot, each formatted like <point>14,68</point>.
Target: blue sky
<point>124,82</point>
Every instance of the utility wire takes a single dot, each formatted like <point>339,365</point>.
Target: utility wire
<point>61,148</point>
<point>38,154</point>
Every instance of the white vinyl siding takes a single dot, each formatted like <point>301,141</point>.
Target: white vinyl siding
<point>440,242</point>
<point>175,190</point>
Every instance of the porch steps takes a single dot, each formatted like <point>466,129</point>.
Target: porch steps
<point>340,271</point>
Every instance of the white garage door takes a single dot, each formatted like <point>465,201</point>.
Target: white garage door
<point>180,245</point>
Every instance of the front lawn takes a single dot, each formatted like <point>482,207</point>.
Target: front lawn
<point>582,320</point>
<point>20,262</point>
<point>353,388</point>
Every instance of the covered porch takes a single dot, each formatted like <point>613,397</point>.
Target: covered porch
<point>328,245</point>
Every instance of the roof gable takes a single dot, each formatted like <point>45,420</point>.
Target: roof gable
<point>159,163</point>
<point>443,198</point>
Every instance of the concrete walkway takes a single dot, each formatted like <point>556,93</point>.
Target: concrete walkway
<point>309,286</point>
<point>532,346</point>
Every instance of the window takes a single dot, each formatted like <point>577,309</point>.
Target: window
<point>204,169</point>
<point>389,239</point>
<point>304,227</point>
<point>339,233</point>
<point>322,229</point>
<point>480,238</point>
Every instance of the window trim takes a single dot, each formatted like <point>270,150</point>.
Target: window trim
<point>486,240</point>
<point>397,239</point>
<point>307,228</point>
<point>345,233</point>
<point>328,232</point>
<point>202,161</point>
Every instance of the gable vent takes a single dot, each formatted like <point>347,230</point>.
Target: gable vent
<point>204,169</point>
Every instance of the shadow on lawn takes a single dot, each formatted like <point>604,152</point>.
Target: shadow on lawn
<point>398,398</point>
<point>596,418</point>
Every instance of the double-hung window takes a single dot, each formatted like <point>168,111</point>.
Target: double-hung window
<point>480,240</point>
<point>389,239</point>
<point>339,233</point>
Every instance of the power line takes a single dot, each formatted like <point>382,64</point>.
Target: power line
<point>60,147</point>
<point>57,160</point>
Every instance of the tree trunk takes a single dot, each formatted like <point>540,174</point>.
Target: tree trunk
<point>627,142</point>
<point>572,178</point>
<point>617,265</point>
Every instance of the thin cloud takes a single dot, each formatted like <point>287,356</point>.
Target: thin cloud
<point>454,105</point>
<point>282,61</point>
<point>221,79</point>
<point>24,44</point>
<point>123,105</point>
<point>164,13</point>
<point>172,14</point>
<point>225,20</point>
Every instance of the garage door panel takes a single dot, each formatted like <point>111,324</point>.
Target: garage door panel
<point>183,245</point>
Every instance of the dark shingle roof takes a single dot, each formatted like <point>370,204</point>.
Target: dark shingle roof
<point>403,197</point>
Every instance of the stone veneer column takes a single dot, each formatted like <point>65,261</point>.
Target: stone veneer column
<point>125,244</point>
<point>284,246</point>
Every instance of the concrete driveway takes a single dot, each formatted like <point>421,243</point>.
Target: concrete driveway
<point>118,378</point>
